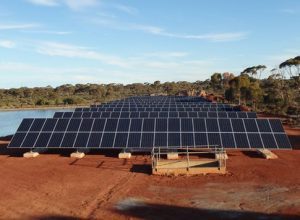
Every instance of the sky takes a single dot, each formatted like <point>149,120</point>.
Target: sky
<point>54,42</point>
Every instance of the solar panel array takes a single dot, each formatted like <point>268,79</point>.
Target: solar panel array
<point>183,114</point>
<point>151,109</point>
<point>127,127</point>
<point>148,133</point>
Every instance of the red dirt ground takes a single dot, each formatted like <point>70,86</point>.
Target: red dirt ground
<point>100,186</point>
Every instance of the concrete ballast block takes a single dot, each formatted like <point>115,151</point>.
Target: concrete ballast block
<point>172,156</point>
<point>31,154</point>
<point>267,154</point>
<point>219,156</point>
<point>78,155</point>
<point>124,155</point>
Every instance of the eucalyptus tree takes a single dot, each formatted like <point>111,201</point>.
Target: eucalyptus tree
<point>254,71</point>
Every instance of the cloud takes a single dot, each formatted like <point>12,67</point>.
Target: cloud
<point>215,37</point>
<point>289,11</point>
<point>72,4</point>
<point>7,44</point>
<point>163,55</point>
<point>125,8</point>
<point>79,4</point>
<point>47,32</point>
<point>159,31</point>
<point>44,2</point>
<point>17,26</point>
<point>72,51</point>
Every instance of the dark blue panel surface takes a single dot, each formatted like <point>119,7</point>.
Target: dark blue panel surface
<point>86,125</point>
<point>268,140</point>
<point>201,139</point>
<point>136,125</point>
<point>186,124</point>
<point>55,140</point>
<point>148,125</point>
<point>187,139</point>
<point>17,140</point>
<point>199,125</point>
<point>94,140</point>
<point>241,140</point>
<point>276,125</point>
<point>147,140</point>
<point>161,125</point>
<point>237,125</point>
<point>214,139</point>
<point>134,140</point>
<point>30,140</point>
<point>225,125</point>
<point>74,124</point>
<point>121,140</point>
<point>282,141</point>
<point>61,125</point>
<point>263,125</point>
<point>255,140</point>
<point>111,125</point>
<point>250,125</point>
<point>81,140</point>
<point>212,125</point>
<point>161,140</point>
<point>108,140</point>
<point>68,140</point>
<point>123,124</point>
<point>49,124</point>
<point>174,124</point>
<point>37,124</point>
<point>98,125</point>
<point>174,140</point>
<point>227,140</point>
<point>42,140</point>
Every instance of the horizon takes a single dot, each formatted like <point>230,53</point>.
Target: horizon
<point>57,42</point>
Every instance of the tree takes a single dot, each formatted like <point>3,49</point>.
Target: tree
<point>254,71</point>
<point>216,81</point>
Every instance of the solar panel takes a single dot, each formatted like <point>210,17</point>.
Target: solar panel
<point>55,140</point>
<point>147,140</point>
<point>174,125</point>
<point>108,140</point>
<point>228,140</point>
<point>81,140</point>
<point>134,140</point>
<point>155,114</point>
<point>49,124</point>
<point>121,139</point>
<point>146,122</point>
<point>43,140</point>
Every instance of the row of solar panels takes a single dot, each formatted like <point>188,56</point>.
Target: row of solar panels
<point>147,133</point>
<point>152,125</point>
<point>155,115</point>
<point>149,140</point>
<point>162,105</point>
<point>188,109</point>
<point>173,98</point>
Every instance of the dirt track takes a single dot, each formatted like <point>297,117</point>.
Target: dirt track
<point>100,186</point>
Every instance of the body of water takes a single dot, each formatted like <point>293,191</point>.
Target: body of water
<point>10,120</point>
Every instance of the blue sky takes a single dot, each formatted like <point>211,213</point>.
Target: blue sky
<point>53,42</point>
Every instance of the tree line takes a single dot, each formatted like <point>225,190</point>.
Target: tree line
<point>278,93</point>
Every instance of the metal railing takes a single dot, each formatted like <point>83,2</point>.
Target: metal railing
<point>158,153</point>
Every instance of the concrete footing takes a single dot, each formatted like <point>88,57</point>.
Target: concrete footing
<point>219,156</point>
<point>172,156</point>
<point>124,155</point>
<point>267,154</point>
<point>30,154</point>
<point>77,155</point>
